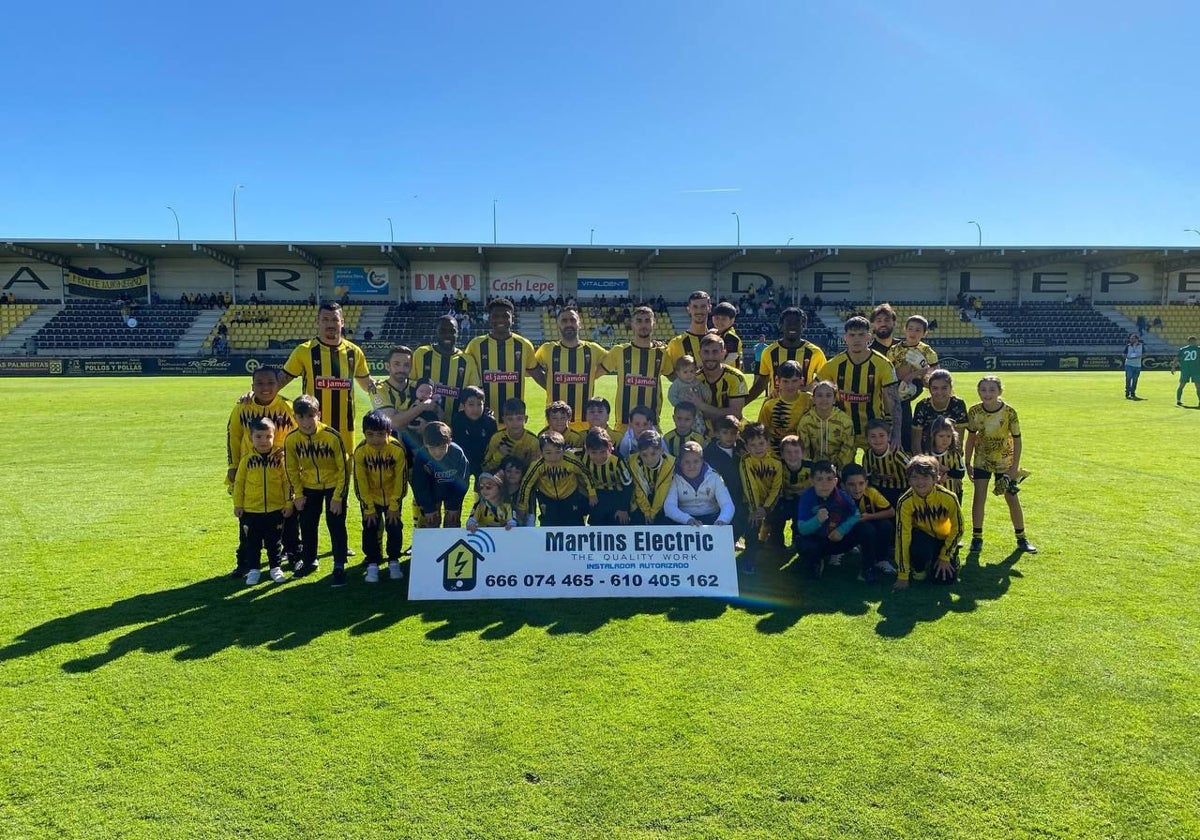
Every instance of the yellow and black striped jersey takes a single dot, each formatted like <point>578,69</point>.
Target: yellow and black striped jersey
<point>872,501</point>
<point>488,515</point>
<point>729,384</point>
<point>762,480</point>
<point>684,344</point>
<point>809,356</point>
<point>951,463</point>
<point>573,438</point>
<point>795,480</point>
<point>860,387</point>
<point>887,470</point>
<point>317,461</point>
<point>639,371</point>
<point>570,374</point>
<point>613,474</point>
<point>937,514</point>
<point>502,367</point>
<point>328,373</point>
<point>557,481</point>
<point>782,418</point>
<point>380,476</point>
<point>237,430</point>
<point>261,484</point>
<point>448,374</point>
<point>525,447</point>
<point>673,441</point>
<point>994,432</point>
<point>733,347</point>
<point>651,484</point>
<point>830,438</point>
<point>397,398</point>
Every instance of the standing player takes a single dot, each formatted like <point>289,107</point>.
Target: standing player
<point>570,367</point>
<point>883,326</point>
<point>994,449</point>
<point>726,385</point>
<point>503,358</point>
<point>866,383</point>
<point>791,346</point>
<point>687,343</point>
<point>264,402</point>
<point>639,367</point>
<point>448,368</point>
<point>940,403</point>
<point>328,367</point>
<point>723,316</point>
<point>1187,362</point>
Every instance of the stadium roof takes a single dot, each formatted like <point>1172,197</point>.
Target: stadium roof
<point>60,251</point>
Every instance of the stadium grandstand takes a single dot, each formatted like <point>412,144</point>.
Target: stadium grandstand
<point>251,302</point>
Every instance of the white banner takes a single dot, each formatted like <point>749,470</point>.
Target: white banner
<point>604,562</point>
<point>520,279</point>
<point>432,281</point>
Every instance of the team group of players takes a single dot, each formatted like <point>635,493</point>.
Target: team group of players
<point>433,427</point>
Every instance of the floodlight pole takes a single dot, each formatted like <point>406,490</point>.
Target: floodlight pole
<point>978,228</point>
<point>176,215</point>
<point>235,192</point>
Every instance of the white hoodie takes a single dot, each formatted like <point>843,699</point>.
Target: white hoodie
<point>686,502</point>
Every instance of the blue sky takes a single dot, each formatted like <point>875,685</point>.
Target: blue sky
<point>650,122</point>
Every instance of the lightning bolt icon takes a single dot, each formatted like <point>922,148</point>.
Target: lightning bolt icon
<point>459,565</point>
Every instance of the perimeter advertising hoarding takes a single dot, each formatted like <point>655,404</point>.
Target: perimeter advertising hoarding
<point>517,280</point>
<point>362,281</point>
<point>431,281</point>
<point>593,284</point>
<point>676,561</point>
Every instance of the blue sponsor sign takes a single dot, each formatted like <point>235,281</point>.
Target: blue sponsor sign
<point>361,281</point>
<point>593,286</point>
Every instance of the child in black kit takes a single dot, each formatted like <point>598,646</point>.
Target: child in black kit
<point>472,427</point>
<point>440,478</point>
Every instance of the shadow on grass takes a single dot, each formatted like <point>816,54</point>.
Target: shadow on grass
<point>201,619</point>
<point>926,602</point>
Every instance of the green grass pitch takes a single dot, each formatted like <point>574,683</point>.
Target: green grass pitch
<point>143,695</point>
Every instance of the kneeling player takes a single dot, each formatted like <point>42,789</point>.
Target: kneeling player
<point>928,526</point>
<point>611,480</point>
<point>557,483</point>
<point>827,522</point>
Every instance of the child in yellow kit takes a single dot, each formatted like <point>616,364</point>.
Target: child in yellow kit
<point>380,483</point>
<point>262,499</point>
